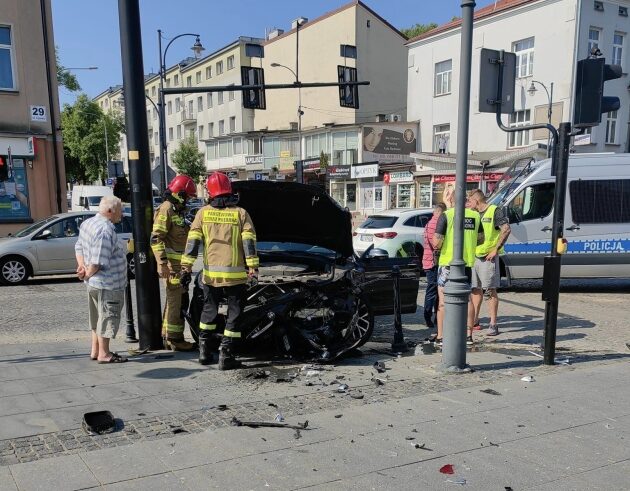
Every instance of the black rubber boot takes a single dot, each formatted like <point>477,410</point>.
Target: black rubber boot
<point>205,351</point>
<point>227,360</point>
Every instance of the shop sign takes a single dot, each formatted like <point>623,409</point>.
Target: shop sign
<point>311,164</point>
<point>253,159</point>
<point>286,161</point>
<point>338,171</point>
<point>364,171</point>
<point>493,176</point>
<point>393,177</point>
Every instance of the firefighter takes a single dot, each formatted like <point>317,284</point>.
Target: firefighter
<point>168,239</point>
<point>229,260</point>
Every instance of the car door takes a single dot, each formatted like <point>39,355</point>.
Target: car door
<point>414,233</point>
<point>378,290</point>
<point>55,253</point>
<point>530,213</point>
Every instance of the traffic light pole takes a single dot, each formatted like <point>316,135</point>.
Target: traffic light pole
<point>147,287</point>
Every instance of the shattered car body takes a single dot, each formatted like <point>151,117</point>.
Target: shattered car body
<point>314,298</point>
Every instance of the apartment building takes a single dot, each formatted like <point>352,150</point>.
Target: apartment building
<point>548,37</point>
<point>32,174</point>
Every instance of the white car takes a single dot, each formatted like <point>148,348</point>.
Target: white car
<point>399,232</point>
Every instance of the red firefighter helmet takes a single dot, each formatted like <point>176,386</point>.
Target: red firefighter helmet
<point>183,184</point>
<point>218,184</point>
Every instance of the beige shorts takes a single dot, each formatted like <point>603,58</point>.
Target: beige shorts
<point>104,309</point>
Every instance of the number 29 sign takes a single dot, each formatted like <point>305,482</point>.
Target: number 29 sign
<point>38,113</point>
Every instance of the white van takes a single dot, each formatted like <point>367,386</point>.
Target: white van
<point>596,221</point>
<point>88,197</point>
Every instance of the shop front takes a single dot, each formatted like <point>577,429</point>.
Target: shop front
<point>441,182</point>
<point>356,187</point>
<point>401,189</point>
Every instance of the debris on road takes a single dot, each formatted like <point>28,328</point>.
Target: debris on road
<point>378,381</point>
<point>356,395</point>
<point>258,374</point>
<point>279,418</point>
<point>379,366</point>
<point>528,378</point>
<point>178,430</point>
<point>447,469</point>
<point>267,424</point>
<point>343,388</point>
<point>98,423</point>
<point>338,416</point>
<point>491,392</point>
<point>457,480</point>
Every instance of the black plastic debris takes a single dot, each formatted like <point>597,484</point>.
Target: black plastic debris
<point>491,392</point>
<point>177,431</point>
<point>379,366</point>
<point>267,424</point>
<point>338,416</point>
<point>99,423</point>
<point>222,407</point>
<point>259,374</point>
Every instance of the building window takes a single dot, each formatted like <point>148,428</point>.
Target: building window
<point>178,106</point>
<point>200,132</point>
<point>208,72</point>
<point>198,77</point>
<point>344,148</point>
<point>219,67</point>
<point>210,129</point>
<point>179,131</point>
<point>524,50</point>
<point>441,138</point>
<point>600,201</point>
<point>189,81</point>
<point>231,94</point>
<point>316,144</point>
<point>519,138</point>
<point>170,134</point>
<point>345,193</point>
<point>153,91</point>
<point>225,148</point>
<point>220,97</point>
<point>156,138</point>
<point>221,127</point>
<point>594,35</point>
<point>209,100</point>
<point>253,146</point>
<point>230,62</point>
<point>617,53</point>
<point>169,107</point>
<point>232,124</point>
<point>348,51</point>
<point>176,80</point>
<point>611,128</point>
<point>199,103</point>
<point>190,109</point>
<point>238,146</point>
<point>154,114</point>
<point>443,74</point>
<point>168,83</point>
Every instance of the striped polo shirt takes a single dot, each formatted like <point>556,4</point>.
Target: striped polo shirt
<point>98,244</point>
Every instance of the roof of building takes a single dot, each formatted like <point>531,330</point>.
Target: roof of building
<point>344,7</point>
<point>493,9</point>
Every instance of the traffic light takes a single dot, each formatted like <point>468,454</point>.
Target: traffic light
<point>253,98</point>
<point>4,169</point>
<point>348,94</point>
<point>590,101</point>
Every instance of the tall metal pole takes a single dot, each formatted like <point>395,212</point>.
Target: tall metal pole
<point>549,111</point>
<point>457,291</point>
<point>297,81</point>
<point>162,121</point>
<point>147,287</point>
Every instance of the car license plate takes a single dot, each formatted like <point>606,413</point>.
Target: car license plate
<point>366,238</point>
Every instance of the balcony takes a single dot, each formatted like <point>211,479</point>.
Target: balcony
<point>188,117</point>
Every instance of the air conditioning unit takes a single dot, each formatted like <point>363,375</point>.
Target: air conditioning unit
<point>380,118</point>
<point>395,118</point>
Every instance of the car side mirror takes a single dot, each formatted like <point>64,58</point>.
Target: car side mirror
<point>45,235</point>
<point>378,254</point>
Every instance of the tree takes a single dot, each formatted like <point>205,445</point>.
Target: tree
<point>85,129</point>
<point>416,30</point>
<point>64,77</point>
<point>324,159</point>
<point>188,160</point>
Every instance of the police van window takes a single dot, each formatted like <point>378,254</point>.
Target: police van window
<point>600,201</point>
<point>533,202</point>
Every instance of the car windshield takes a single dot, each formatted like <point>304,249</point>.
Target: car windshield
<point>294,247</point>
<point>379,222</point>
<point>510,180</point>
<point>32,228</point>
<point>94,200</point>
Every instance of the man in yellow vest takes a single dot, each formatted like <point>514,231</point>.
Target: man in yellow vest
<point>486,275</point>
<point>443,240</point>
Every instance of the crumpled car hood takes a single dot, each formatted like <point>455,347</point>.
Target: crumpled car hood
<point>294,212</point>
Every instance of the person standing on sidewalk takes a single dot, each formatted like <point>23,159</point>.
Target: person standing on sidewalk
<point>486,274</point>
<point>168,239</point>
<point>102,265</point>
<point>430,265</point>
<point>443,241</point>
<point>229,260</point>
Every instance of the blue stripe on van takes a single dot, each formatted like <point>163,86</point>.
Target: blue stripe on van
<point>606,246</point>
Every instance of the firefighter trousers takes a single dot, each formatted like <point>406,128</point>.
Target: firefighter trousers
<point>173,320</point>
<point>212,296</point>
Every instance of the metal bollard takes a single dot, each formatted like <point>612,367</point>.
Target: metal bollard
<point>399,345</point>
<point>130,336</point>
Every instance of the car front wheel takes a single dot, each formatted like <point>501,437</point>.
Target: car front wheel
<point>14,270</point>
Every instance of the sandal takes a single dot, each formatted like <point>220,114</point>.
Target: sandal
<point>116,358</point>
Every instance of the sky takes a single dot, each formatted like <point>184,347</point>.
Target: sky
<point>87,34</point>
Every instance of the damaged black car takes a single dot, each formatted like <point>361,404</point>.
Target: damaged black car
<point>314,299</point>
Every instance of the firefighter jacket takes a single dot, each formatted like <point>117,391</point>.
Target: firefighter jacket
<point>229,245</point>
<point>168,237</point>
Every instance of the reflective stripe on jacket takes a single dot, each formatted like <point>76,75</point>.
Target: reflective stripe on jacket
<point>168,237</point>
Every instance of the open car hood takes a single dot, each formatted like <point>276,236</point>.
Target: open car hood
<point>294,212</point>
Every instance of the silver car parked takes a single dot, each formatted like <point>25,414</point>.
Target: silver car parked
<point>47,247</point>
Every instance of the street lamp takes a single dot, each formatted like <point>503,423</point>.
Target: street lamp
<point>299,111</point>
<point>531,91</point>
<point>81,68</point>
<point>197,49</point>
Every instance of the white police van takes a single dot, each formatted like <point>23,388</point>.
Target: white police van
<point>596,221</point>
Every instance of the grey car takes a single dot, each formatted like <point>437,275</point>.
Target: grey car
<point>47,247</point>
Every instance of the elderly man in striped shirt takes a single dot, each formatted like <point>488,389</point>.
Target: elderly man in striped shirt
<point>102,265</point>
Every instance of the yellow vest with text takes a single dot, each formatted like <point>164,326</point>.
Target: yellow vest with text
<point>471,228</point>
<point>491,234</point>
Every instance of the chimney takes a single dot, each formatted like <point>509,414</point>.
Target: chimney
<point>274,33</point>
<point>300,20</point>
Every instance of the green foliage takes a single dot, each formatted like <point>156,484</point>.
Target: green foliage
<point>188,160</point>
<point>324,160</point>
<point>84,127</point>
<point>64,77</point>
<point>417,29</point>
